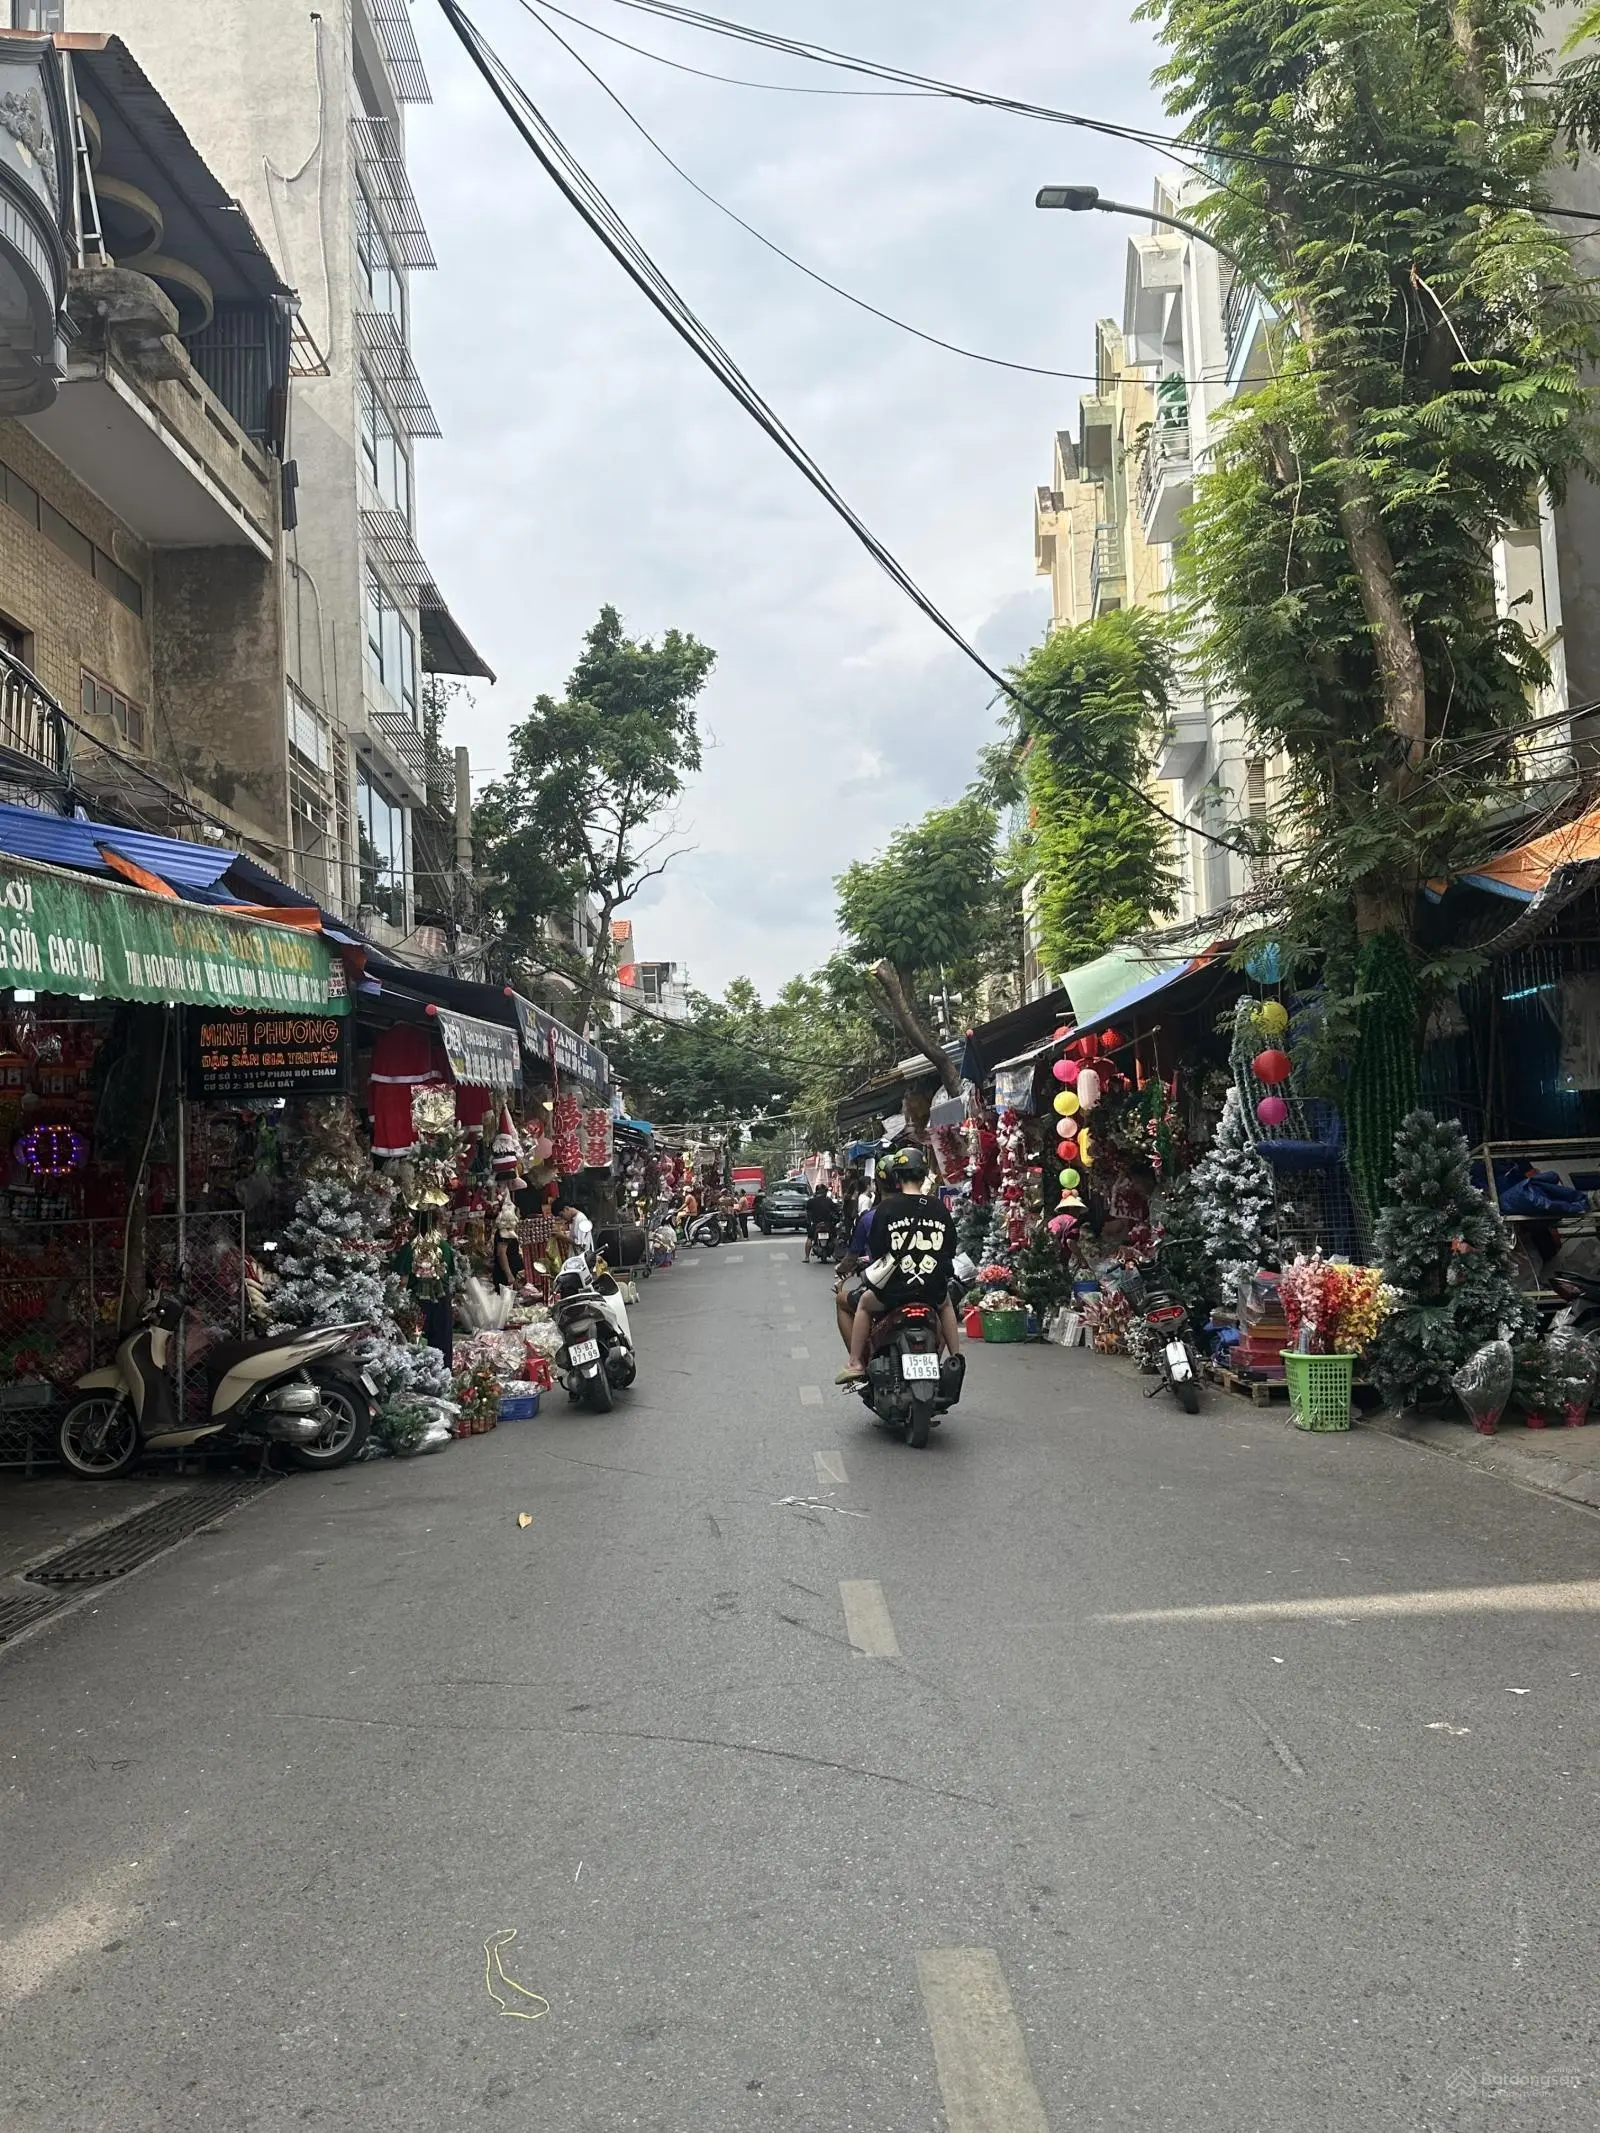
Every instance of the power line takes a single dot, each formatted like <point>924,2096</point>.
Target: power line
<point>581,193</point>
<point>735,81</point>
<point>959,92</point>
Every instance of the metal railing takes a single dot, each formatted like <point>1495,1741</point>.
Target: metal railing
<point>1166,446</point>
<point>1105,561</point>
<point>33,726</point>
<point>1235,303</point>
<point>403,744</point>
<point>61,1289</point>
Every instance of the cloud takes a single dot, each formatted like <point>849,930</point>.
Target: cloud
<point>587,457</point>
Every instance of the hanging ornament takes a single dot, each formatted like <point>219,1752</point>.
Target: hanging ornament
<point>1265,964</point>
<point>1066,1104</point>
<point>1111,1040</point>
<point>1088,1088</point>
<point>1272,1111</point>
<point>1070,1178</point>
<point>1083,1048</point>
<point>1067,1148</point>
<point>1273,1017</point>
<point>1064,1069</point>
<point>1062,1225</point>
<point>567,1154</point>
<point>1272,1066</point>
<point>1085,1148</point>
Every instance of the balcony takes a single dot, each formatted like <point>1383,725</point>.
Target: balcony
<point>1185,741</point>
<point>1245,321</point>
<point>404,753</point>
<point>1107,579</point>
<point>33,732</point>
<point>1166,480</point>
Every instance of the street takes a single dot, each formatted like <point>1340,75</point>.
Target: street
<point>868,1811</point>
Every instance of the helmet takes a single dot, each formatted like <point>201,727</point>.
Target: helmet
<point>909,1167</point>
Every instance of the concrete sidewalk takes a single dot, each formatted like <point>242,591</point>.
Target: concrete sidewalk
<point>1563,1462</point>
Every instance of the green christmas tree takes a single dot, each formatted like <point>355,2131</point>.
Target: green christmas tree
<point>1233,1203</point>
<point>1445,1247</point>
<point>1043,1277</point>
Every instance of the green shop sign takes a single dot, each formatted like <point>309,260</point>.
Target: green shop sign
<point>62,933</point>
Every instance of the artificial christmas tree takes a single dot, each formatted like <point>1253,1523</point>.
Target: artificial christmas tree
<point>1043,1278</point>
<point>1233,1200</point>
<point>1445,1248</point>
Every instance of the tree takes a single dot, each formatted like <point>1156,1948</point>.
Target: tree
<point>585,812</point>
<point>1385,163</point>
<point>1090,709</point>
<point>723,1063</point>
<point>1233,1202</point>
<point>923,909</point>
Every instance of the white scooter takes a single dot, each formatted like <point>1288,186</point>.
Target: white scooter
<point>597,1354</point>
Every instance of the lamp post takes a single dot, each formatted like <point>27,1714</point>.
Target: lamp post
<point>1080,199</point>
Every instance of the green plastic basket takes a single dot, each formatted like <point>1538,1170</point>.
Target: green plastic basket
<point>1320,1389</point>
<point>1005,1326</point>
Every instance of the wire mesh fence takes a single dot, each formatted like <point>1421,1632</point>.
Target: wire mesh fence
<point>64,1288</point>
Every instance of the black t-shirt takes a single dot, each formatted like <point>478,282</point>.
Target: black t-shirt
<point>918,1235</point>
<point>821,1208</point>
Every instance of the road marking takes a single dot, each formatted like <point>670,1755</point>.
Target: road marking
<point>978,2048</point>
<point>866,1621</point>
<point>801,1355</point>
<point>32,1956</point>
<point>1578,1596</point>
<point>776,1256</point>
<point>811,1396</point>
<point>830,1468</point>
<point>734,1259</point>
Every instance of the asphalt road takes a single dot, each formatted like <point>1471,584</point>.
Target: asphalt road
<point>1245,1862</point>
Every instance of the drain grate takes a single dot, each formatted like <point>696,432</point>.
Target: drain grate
<point>18,1609</point>
<point>147,1534</point>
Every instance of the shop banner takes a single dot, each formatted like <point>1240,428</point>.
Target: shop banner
<point>265,1055</point>
<point>483,1055</point>
<point>553,1044</point>
<point>62,933</point>
<point>1013,1087</point>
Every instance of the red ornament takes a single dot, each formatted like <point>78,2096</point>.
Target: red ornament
<point>1067,1150</point>
<point>1272,1066</point>
<point>1083,1048</point>
<point>1111,1039</point>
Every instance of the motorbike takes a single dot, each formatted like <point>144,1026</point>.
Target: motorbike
<point>1173,1353</point>
<point>822,1237</point>
<point>909,1385</point>
<point>597,1355</point>
<point>702,1229</point>
<point>303,1390</point>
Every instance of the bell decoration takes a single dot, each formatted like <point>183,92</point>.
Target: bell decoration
<point>1273,1017</point>
<point>1066,1104</point>
<point>1062,1069</point>
<point>1272,1111</point>
<point>1089,1088</point>
<point>1272,1066</point>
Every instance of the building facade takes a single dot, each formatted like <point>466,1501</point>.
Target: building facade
<point>302,115</point>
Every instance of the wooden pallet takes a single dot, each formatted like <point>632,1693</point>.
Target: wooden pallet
<point>1260,1392</point>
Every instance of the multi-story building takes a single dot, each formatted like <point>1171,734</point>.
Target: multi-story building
<point>301,112</point>
<point>141,409</point>
<point>659,991</point>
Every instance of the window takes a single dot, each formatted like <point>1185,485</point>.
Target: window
<point>381,832</point>
<point>1255,788</point>
<point>37,14</point>
<point>391,649</point>
<point>100,700</point>
<point>384,453</point>
<point>309,740</point>
<point>381,279</point>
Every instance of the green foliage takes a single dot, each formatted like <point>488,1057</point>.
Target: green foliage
<point>1043,1277</point>
<point>1094,702</point>
<point>925,904</point>
<point>1383,1082</point>
<point>584,810</point>
<point>1445,1247</point>
<point>1428,382</point>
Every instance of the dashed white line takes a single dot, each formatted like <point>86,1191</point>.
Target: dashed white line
<point>866,1619</point>
<point>811,1396</point>
<point>801,1355</point>
<point>978,2048</point>
<point>830,1469</point>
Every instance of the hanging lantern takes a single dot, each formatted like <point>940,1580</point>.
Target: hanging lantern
<point>1088,1088</point>
<point>1272,1066</point>
<point>1272,1111</point>
<point>1067,1148</point>
<point>1111,1040</point>
<point>1063,1069</point>
<point>1066,1104</point>
<point>1265,964</point>
<point>1083,1048</point>
<point>1070,1178</point>
<point>1085,1148</point>
<point>1273,1017</point>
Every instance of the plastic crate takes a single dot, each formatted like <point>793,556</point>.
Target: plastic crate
<point>1320,1389</point>
<point>1005,1326</point>
<point>519,1406</point>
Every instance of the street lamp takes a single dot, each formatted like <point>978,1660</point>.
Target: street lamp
<point>1079,199</point>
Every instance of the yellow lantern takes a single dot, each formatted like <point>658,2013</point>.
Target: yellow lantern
<point>1085,1148</point>
<point>1066,1104</point>
<point>1273,1017</point>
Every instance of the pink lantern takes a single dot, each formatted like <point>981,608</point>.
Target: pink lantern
<point>1272,1066</point>
<point>1063,1070</point>
<point>1272,1111</point>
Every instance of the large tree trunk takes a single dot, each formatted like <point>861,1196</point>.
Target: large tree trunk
<point>917,1032</point>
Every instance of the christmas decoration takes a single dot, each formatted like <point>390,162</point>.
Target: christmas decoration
<point>1067,1103</point>
<point>1332,1308</point>
<point>1445,1248</point>
<point>1273,1017</point>
<point>1272,1066</point>
<point>566,1152</point>
<point>1041,1273</point>
<point>1483,1384</point>
<point>1272,1111</point>
<point>1233,1201</point>
<point>1573,1362</point>
<point>477,1394</point>
<point>1089,1088</point>
<point>50,1151</point>
<point>1065,1070</point>
<point>1008,1229</point>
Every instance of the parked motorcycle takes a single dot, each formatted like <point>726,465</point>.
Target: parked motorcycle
<point>702,1229</point>
<point>1166,1318</point>
<point>909,1385</point>
<point>303,1390</point>
<point>597,1354</point>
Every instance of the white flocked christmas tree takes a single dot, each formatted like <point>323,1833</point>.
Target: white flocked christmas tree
<point>1234,1198</point>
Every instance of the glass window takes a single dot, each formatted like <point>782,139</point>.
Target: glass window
<point>381,280</point>
<point>38,14</point>
<point>391,649</point>
<point>381,830</point>
<point>375,606</point>
<point>384,452</point>
<point>308,736</point>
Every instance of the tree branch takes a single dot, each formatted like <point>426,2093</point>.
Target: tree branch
<point>913,1028</point>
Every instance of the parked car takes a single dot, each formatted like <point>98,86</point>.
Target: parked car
<point>783,1206</point>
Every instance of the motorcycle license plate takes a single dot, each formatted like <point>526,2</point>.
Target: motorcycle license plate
<point>371,1386</point>
<point>585,1352</point>
<point>919,1366</point>
<point>1178,1359</point>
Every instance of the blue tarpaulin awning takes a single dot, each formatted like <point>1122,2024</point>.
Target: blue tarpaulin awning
<point>67,841</point>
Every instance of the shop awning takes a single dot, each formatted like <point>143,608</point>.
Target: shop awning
<point>62,933</point>
<point>1125,978</point>
<point>1004,1039</point>
<point>68,841</point>
<point>573,1057</point>
<point>482,1055</point>
<point>1529,869</point>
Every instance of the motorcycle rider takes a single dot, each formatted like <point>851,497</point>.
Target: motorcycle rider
<point>910,1252</point>
<point>822,1219</point>
<point>847,1289</point>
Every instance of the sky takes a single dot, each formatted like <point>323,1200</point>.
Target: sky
<point>587,457</point>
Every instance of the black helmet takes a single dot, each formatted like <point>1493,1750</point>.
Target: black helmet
<point>909,1167</point>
